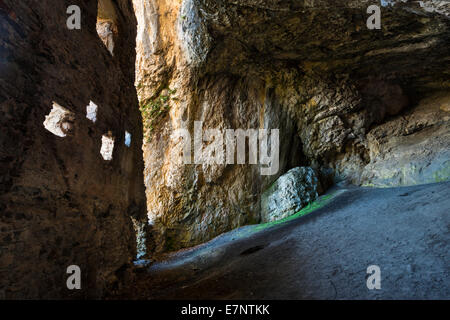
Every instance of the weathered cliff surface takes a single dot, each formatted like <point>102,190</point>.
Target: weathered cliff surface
<point>370,107</point>
<point>61,203</point>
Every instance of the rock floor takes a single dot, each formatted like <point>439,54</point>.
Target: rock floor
<point>324,255</point>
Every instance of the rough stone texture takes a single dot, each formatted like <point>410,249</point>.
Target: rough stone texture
<point>59,121</point>
<point>180,205</point>
<point>60,202</point>
<point>323,255</point>
<point>106,33</point>
<point>312,69</point>
<point>337,97</point>
<point>413,149</point>
<point>366,106</point>
<point>290,193</point>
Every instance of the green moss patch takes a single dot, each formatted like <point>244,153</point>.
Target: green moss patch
<point>443,174</point>
<point>319,203</point>
<point>155,109</point>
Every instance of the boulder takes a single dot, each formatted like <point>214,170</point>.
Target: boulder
<point>290,193</point>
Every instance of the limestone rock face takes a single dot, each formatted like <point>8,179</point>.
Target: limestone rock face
<point>413,149</point>
<point>61,203</point>
<point>347,100</point>
<point>105,32</point>
<point>290,193</point>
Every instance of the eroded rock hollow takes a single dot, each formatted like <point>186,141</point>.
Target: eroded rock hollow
<point>93,169</point>
<point>368,107</point>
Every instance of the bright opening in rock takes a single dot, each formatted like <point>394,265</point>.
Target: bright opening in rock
<point>91,111</point>
<point>127,139</point>
<point>107,147</point>
<point>59,121</point>
<point>107,23</point>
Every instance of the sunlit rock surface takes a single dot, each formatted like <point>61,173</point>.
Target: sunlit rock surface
<point>354,104</point>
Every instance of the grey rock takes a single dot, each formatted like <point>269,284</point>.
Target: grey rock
<point>290,193</point>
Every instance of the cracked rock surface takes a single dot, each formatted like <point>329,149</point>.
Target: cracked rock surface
<point>61,203</point>
<point>323,255</point>
<point>368,107</point>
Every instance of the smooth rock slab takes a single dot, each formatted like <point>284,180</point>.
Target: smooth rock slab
<point>290,193</point>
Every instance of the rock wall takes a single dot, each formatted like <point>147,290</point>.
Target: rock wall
<point>350,102</point>
<point>189,204</point>
<point>61,203</point>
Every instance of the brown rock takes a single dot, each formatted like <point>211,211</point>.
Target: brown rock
<point>60,202</point>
